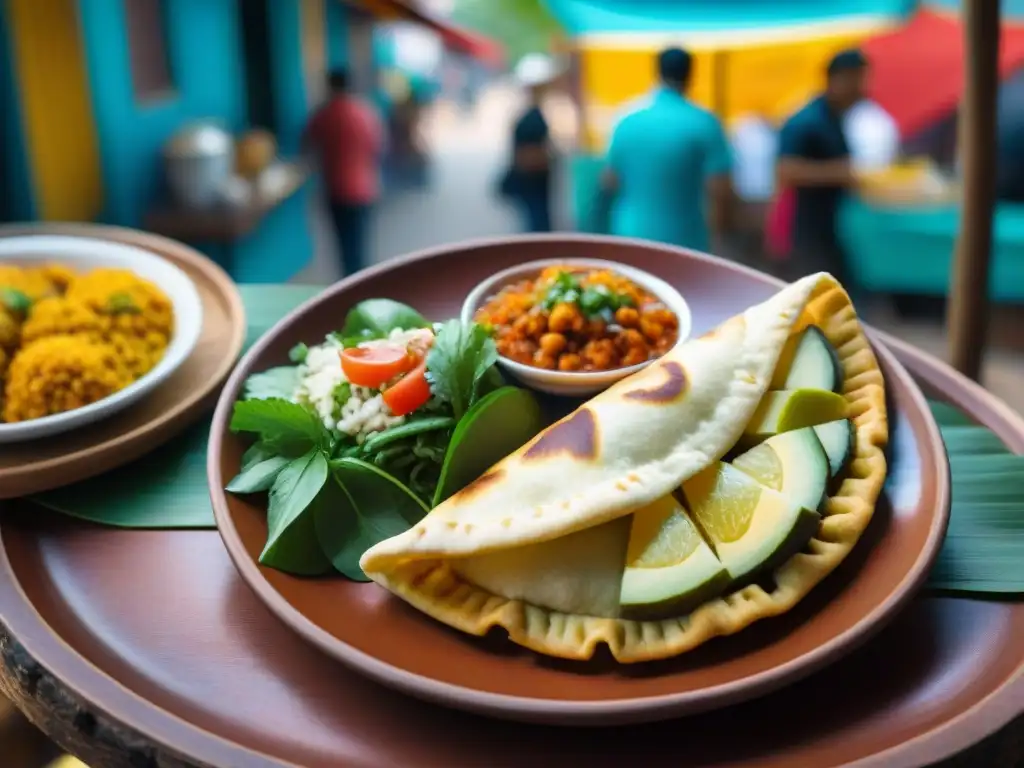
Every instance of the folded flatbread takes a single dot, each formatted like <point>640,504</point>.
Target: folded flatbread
<point>525,547</point>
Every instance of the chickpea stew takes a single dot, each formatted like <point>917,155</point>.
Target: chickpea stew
<point>579,319</point>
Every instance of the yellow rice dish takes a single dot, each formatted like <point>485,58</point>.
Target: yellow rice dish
<point>69,339</point>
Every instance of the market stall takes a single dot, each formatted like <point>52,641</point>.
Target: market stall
<point>751,58</point>
<point>901,240</point>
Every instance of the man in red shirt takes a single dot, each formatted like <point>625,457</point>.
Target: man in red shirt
<point>347,133</point>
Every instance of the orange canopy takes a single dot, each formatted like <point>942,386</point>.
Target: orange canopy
<point>917,72</point>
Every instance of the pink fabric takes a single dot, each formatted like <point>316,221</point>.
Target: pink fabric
<point>778,228</point>
<point>350,138</point>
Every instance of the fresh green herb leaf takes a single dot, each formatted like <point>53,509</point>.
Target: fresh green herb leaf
<point>593,301</point>
<point>376,508</point>
<point>278,382</point>
<point>376,318</point>
<point>283,426</point>
<point>294,489</point>
<point>16,301</point>
<point>297,354</point>
<point>461,356</point>
<point>256,453</point>
<point>259,476</point>
<point>297,550</point>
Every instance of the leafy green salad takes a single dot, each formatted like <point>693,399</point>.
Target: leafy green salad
<point>364,433</point>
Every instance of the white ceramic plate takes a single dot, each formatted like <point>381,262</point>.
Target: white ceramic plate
<point>576,383</point>
<point>83,254</point>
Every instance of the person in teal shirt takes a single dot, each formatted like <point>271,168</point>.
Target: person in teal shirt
<point>669,164</point>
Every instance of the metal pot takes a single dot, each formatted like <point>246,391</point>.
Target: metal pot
<point>199,162</point>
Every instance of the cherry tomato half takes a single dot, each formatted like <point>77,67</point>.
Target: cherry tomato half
<point>410,392</point>
<point>373,366</point>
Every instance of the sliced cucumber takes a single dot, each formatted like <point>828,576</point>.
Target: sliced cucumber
<point>838,438</point>
<point>809,361</point>
<point>793,463</point>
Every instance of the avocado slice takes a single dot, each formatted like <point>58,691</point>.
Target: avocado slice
<point>793,463</point>
<point>750,527</point>
<point>808,361</point>
<point>670,569</point>
<point>785,410</point>
<point>838,438</point>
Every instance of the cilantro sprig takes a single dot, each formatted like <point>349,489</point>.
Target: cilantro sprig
<point>592,300</point>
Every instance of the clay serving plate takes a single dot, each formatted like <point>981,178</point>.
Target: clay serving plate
<point>165,409</point>
<point>365,627</point>
<point>83,254</point>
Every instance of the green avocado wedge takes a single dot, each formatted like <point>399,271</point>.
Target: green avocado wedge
<point>751,528</point>
<point>839,439</point>
<point>670,569</point>
<point>362,506</point>
<point>496,425</point>
<point>793,463</point>
<point>785,410</point>
<point>808,361</point>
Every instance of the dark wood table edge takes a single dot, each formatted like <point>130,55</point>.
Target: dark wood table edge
<point>52,698</point>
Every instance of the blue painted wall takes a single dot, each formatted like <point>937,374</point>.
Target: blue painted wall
<point>16,188</point>
<point>205,52</point>
<point>337,35</point>
<point>205,49</point>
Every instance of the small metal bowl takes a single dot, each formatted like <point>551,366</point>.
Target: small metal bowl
<point>576,383</point>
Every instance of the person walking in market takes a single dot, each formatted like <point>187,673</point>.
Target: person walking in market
<point>348,135</point>
<point>814,162</point>
<point>527,182</point>
<point>667,176</point>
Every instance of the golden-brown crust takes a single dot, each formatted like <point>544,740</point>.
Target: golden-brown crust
<point>434,588</point>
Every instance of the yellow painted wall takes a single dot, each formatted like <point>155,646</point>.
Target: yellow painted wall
<point>770,80</point>
<point>56,107</point>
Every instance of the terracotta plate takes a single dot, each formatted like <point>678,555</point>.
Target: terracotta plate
<point>39,465</point>
<point>362,625</point>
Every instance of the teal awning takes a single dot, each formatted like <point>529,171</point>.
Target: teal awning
<point>582,17</point>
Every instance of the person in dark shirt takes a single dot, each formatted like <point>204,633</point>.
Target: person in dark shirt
<point>529,180</point>
<point>814,161</point>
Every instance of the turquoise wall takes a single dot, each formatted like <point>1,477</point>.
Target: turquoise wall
<point>205,49</point>
<point>337,35</point>
<point>16,196</point>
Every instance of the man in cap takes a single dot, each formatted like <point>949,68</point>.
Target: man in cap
<point>814,161</point>
<point>669,165</point>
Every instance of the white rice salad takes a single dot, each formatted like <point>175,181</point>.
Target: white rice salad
<point>321,377</point>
